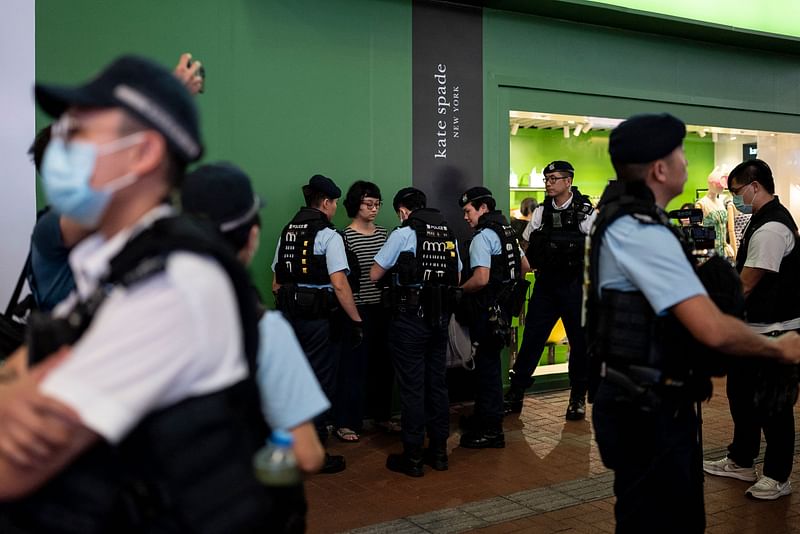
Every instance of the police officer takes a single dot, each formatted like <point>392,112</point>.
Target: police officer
<point>496,265</point>
<point>762,394</point>
<point>310,283</point>
<point>419,265</point>
<point>646,307</point>
<point>157,364</point>
<point>556,235</point>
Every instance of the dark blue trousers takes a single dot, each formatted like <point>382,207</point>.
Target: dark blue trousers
<point>489,381</point>
<point>657,462</point>
<point>552,298</point>
<point>418,353</point>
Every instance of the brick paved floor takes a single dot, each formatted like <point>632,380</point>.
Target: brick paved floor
<point>549,478</point>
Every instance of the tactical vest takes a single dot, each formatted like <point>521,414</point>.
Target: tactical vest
<point>506,265</point>
<point>776,297</point>
<point>435,261</point>
<point>557,246</point>
<point>623,330</point>
<point>184,468</point>
<point>297,263</point>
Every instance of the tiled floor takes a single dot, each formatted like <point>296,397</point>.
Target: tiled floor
<point>549,478</point>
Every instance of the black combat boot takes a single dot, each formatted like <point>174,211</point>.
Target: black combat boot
<point>576,410</point>
<point>436,455</point>
<point>512,401</point>
<point>486,436</point>
<point>409,462</point>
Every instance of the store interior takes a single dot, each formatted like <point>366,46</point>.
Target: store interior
<point>537,138</point>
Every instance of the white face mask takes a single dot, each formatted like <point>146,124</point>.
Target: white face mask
<point>67,170</point>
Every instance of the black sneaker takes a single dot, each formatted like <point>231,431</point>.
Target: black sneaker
<point>333,464</point>
<point>576,410</point>
<point>483,439</point>
<point>405,463</point>
<point>512,400</point>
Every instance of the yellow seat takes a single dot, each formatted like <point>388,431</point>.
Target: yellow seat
<point>556,336</point>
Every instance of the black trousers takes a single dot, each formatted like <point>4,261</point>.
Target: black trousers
<point>321,341</point>
<point>749,421</point>
<point>552,298</point>
<point>418,353</point>
<point>657,462</point>
<point>365,371</point>
<point>489,381</point>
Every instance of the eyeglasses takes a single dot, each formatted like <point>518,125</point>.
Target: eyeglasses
<point>372,205</point>
<point>553,179</point>
<point>739,189</point>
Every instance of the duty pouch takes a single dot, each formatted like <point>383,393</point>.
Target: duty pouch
<point>516,297</point>
<point>45,335</point>
<point>499,325</point>
<point>310,303</point>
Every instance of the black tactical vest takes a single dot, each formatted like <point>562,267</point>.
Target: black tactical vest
<point>435,261</point>
<point>624,331</point>
<point>557,246</point>
<point>297,263</point>
<point>506,265</point>
<point>184,468</point>
<point>776,297</point>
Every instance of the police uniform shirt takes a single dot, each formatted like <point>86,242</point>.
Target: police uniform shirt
<point>290,393</point>
<point>485,244</point>
<point>401,240</point>
<point>175,335</point>
<point>536,219</point>
<point>767,248</point>
<point>647,258</point>
<point>329,243</point>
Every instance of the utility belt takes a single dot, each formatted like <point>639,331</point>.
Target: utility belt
<point>298,302</point>
<point>650,388</point>
<point>429,301</point>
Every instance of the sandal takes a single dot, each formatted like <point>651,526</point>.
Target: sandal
<point>390,426</point>
<point>346,435</point>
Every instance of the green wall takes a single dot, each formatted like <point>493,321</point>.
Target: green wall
<point>588,153</point>
<point>293,87</point>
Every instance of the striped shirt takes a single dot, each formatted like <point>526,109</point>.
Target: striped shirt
<point>365,247</point>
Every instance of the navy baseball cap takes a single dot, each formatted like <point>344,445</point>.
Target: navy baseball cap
<point>645,138</point>
<point>222,193</point>
<point>146,90</point>
<point>324,185</point>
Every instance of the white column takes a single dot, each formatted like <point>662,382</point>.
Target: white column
<point>17,177</point>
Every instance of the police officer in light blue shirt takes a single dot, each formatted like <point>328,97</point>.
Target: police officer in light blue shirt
<point>495,267</point>
<point>419,264</point>
<point>312,290</point>
<point>646,311</point>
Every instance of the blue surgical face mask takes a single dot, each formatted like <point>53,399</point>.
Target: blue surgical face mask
<point>738,202</point>
<point>67,170</point>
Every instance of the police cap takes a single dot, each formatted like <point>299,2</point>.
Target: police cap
<point>325,185</point>
<point>645,138</point>
<point>474,193</point>
<point>222,193</point>
<point>405,194</point>
<point>558,165</point>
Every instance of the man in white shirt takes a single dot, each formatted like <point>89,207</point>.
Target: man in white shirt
<point>157,375</point>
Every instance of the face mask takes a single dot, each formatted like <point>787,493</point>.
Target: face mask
<point>738,202</point>
<point>67,170</point>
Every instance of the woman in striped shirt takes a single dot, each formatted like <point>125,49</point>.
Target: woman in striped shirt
<point>366,368</point>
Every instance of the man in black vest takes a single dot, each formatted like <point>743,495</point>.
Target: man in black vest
<point>652,327</point>
<point>556,235</point>
<point>495,267</point>
<point>157,364</point>
<point>762,394</point>
<point>311,288</point>
<point>420,267</point>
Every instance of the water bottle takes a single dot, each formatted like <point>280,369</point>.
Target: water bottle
<point>276,467</point>
<point>275,464</point>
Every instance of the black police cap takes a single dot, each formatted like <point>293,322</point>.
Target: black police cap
<point>325,185</point>
<point>222,193</point>
<point>148,91</point>
<point>404,194</point>
<point>474,193</point>
<point>645,138</point>
<point>558,165</point>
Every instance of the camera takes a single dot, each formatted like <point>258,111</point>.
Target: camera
<point>700,238</point>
